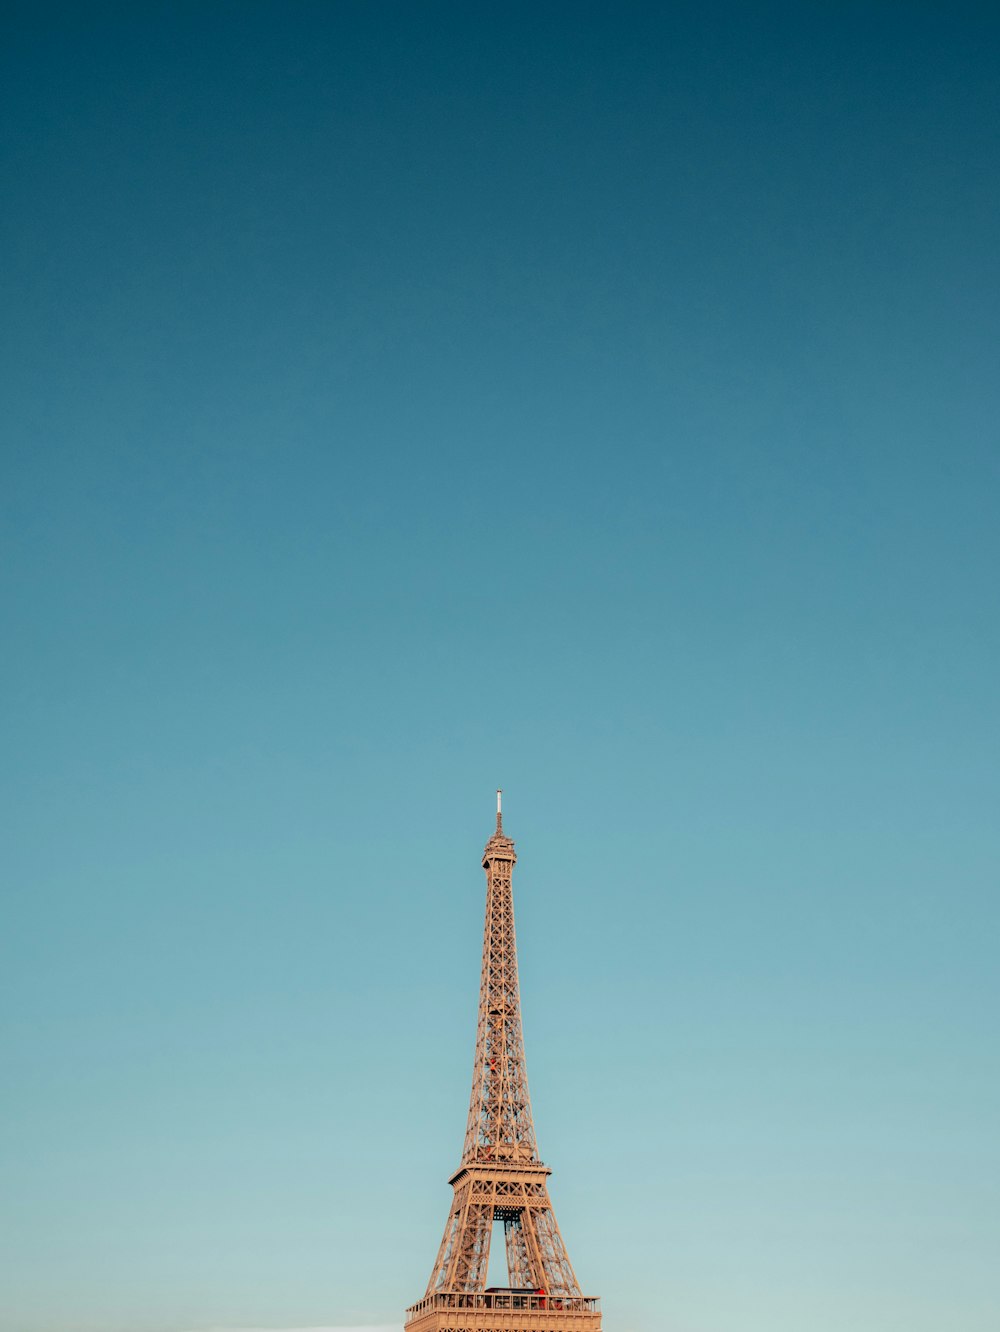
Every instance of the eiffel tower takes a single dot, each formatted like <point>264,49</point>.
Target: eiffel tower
<point>501,1177</point>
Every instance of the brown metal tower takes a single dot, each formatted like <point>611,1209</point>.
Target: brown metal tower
<point>501,1177</point>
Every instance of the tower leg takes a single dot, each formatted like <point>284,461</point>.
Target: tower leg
<point>473,1257</point>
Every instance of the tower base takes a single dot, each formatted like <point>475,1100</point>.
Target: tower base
<point>504,1313</point>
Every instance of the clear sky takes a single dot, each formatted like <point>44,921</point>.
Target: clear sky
<point>405,400</point>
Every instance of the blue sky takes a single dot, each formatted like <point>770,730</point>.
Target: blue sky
<point>401,401</point>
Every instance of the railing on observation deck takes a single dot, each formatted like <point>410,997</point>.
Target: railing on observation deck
<point>507,1300</point>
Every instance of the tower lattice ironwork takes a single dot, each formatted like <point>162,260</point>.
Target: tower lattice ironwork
<point>501,1176</point>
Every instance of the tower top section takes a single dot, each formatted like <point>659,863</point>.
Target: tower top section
<point>499,847</point>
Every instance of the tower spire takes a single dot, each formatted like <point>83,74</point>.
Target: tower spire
<point>499,812</point>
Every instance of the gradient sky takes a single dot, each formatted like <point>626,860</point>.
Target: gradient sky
<point>400,401</point>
